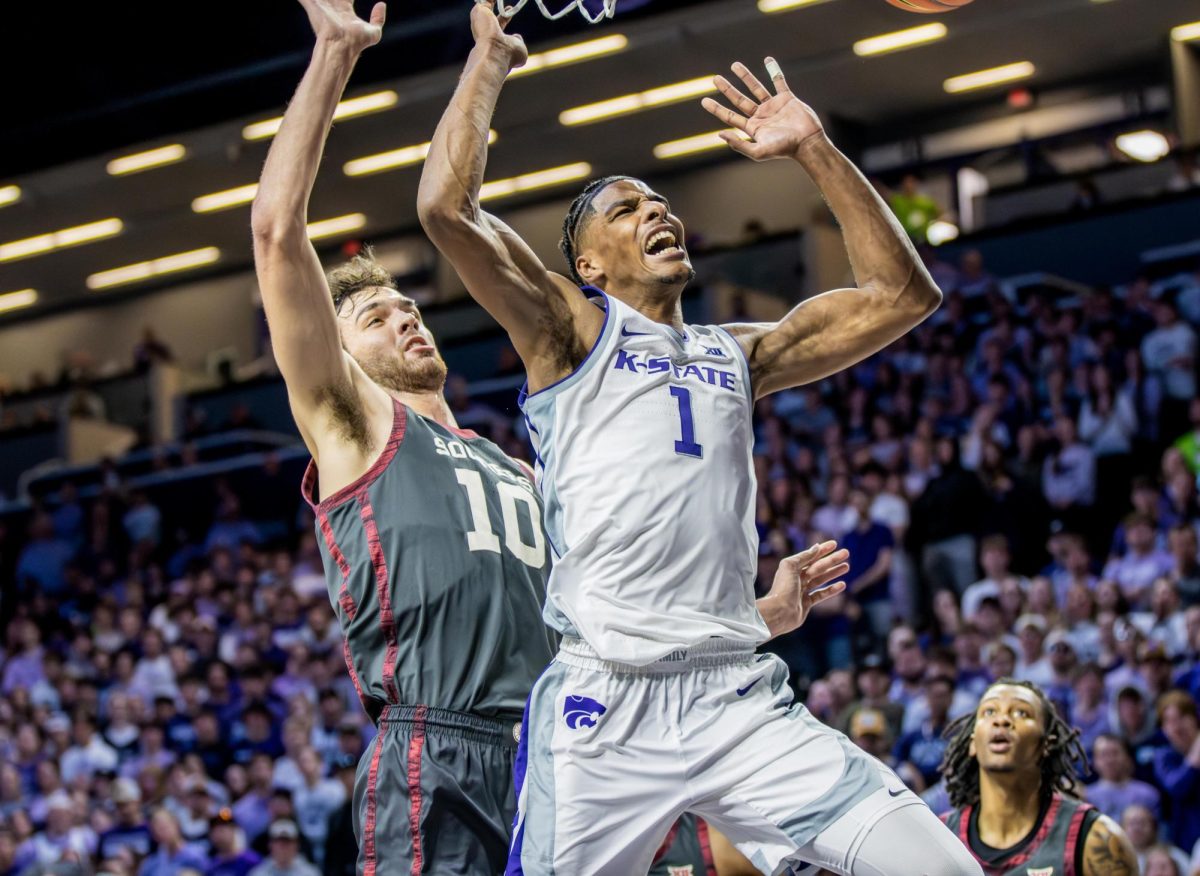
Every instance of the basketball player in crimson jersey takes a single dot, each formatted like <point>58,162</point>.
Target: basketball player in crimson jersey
<point>434,552</point>
<point>1010,771</point>
<point>656,704</point>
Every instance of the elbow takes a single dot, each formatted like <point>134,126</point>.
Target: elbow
<point>271,227</point>
<point>444,217</point>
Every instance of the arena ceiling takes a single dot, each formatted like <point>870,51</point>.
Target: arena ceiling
<point>110,79</point>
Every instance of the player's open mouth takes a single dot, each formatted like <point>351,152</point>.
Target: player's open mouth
<point>418,345</point>
<point>662,243</point>
<point>1000,743</point>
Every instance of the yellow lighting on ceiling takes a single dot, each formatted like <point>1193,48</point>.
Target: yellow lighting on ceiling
<point>9,195</point>
<point>552,176</point>
<point>900,39</point>
<point>632,103</point>
<point>152,158</point>
<point>226,199</point>
<point>336,225</point>
<point>15,300</point>
<point>54,240</point>
<point>571,54</point>
<point>769,6</point>
<point>1186,32</point>
<point>140,271</point>
<point>346,109</point>
<point>405,156</point>
<point>694,144</point>
<point>989,77</point>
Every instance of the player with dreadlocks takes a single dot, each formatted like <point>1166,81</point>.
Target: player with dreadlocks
<point>1010,772</point>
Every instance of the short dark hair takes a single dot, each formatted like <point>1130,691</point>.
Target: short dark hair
<point>576,213</point>
<point>361,272</point>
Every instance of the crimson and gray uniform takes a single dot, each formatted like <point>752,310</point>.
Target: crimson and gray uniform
<point>1053,846</point>
<point>436,565</point>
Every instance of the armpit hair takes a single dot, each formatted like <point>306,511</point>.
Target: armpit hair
<point>558,328</point>
<point>347,411</point>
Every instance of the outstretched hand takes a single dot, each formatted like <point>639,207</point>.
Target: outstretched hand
<point>489,32</point>
<point>800,583</point>
<point>336,20</point>
<point>777,124</point>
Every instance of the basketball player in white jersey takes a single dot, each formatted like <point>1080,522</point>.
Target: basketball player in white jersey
<point>656,703</point>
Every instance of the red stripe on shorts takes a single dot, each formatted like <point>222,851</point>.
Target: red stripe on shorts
<point>415,745</point>
<point>387,620</point>
<point>706,851</point>
<point>372,805</point>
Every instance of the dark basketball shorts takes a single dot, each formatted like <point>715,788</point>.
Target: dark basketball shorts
<point>434,794</point>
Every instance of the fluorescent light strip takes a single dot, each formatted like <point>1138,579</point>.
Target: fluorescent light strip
<point>226,199</point>
<point>632,103</point>
<point>154,268</point>
<point>346,109</point>
<point>404,157</point>
<point>336,225</point>
<point>692,145</point>
<point>502,188</point>
<point>1147,146</point>
<point>769,6</point>
<point>1186,32</point>
<point>9,195</point>
<point>900,39</point>
<point>51,241</point>
<point>571,54</point>
<point>146,160</point>
<point>991,76</point>
<point>16,300</point>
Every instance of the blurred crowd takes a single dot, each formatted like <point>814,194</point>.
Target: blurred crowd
<point>1015,482</point>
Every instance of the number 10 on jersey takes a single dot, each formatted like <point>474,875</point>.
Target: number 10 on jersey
<point>687,445</point>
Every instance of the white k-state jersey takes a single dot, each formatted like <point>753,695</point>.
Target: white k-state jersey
<point>644,460</point>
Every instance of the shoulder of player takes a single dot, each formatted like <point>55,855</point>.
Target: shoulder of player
<point>1107,851</point>
<point>566,334</point>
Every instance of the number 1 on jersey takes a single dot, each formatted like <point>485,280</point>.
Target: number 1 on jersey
<point>687,446</point>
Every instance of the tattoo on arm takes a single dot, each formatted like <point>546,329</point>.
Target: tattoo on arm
<point>1108,853</point>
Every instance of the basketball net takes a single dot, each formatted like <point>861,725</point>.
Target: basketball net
<point>607,11</point>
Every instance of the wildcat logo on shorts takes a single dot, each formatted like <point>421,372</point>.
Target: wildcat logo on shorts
<point>1040,871</point>
<point>582,712</point>
<point>689,870</point>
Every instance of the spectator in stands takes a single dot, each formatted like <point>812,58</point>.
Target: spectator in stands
<point>150,350</point>
<point>130,834</point>
<point>1170,353</point>
<point>869,579</point>
<point>994,558</point>
<point>1188,444</point>
<point>173,856</point>
<point>973,279</point>
<point>316,799</point>
<point>1177,765</point>
<point>1117,789</point>
<point>915,209</point>
<point>873,682</point>
<point>924,747</point>
<point>285,858</point>
<point>42,563</point>
<point>1142,829</point>
<point>946,520</point>
<point>60,840</point>
<point>869,731</point>
<point>1143,562</point>
<point>1089,705</point>
<point>229,856</point>
<point>1069,477</point>
<point>89,754</point>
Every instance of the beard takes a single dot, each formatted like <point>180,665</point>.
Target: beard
<point>427,374</point>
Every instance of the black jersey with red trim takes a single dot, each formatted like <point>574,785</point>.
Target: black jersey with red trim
<point>1053,847</point>
<point>685,851</point>
<point>436,564</point>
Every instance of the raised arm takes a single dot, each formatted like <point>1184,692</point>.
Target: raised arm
<point>300,314</point>
<point>894,293</point>
<point>549,321</point>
